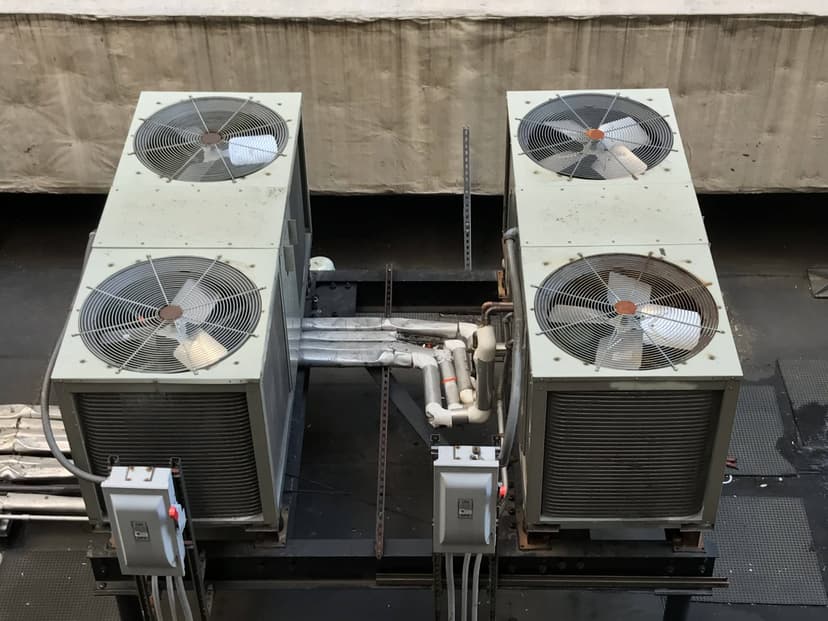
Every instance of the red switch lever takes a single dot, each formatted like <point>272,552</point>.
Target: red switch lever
<point>173,513</point>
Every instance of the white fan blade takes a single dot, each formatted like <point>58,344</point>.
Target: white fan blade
<point>615,132</point>
<point>199,351</point>
<point>565,314</point>
<point>620,351</point>
<point>560,161</point>
<point>667,326</point>
<point>246,150</point>
<point>196,302</point>
<point>625,163</point>
<point>627,289</point>
<point>568,127</point>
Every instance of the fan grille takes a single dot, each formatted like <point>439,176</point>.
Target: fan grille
<point>210,139</point>
<point>126,320</point>
<point>597,315</point>
<point>561,135</point>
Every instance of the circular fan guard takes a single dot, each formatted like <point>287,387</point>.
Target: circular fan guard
<point>626,311</point>
<point>210,139</point>
<point>595,136</point>
<point>170,315</point>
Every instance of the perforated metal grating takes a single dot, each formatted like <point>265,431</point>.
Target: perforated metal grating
<point>210,139</point>
<point>626,311</point>
<point>757,432</point>
<point>595,136</point>
<point>36,585</point>
<point>766,550</point>
<point>170,315</point>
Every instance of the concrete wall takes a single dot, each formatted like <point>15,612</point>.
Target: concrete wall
<point>385,99</point>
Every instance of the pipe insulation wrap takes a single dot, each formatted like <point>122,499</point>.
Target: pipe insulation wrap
<point>461,370</point>
<point>442,329</point>
<point>484,363</point>
<point>354,336</point>
<point>369,356</point>
<point>450,384</point>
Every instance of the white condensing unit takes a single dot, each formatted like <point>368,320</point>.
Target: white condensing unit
<point>183,337</point>
<point>633,371</point>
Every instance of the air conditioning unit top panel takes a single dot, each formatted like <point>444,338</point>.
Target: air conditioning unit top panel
<point>717,358</point>
<point>192,216</point>
<point>600,214</point>
<point>240,364</point>
<point>193,211</point>
<point>656,107</point>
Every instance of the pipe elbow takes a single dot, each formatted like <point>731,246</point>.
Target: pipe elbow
<point>439,416</point>
<point>466,330</point>
<point>452,344</point>
<point>511,234</point>
<point>467,396</point>
<point>486,345</point>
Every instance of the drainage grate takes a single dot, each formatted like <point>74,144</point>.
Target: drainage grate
<point>757,433</point>
<point>766,550</point>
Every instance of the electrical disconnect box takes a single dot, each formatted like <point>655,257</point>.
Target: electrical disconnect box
<point>146,520</point>
<point>465,496</point>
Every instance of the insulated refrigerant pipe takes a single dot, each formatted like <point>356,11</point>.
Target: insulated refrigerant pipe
<point>441,329</point>
<point>450,382</point>
<point>510,238</point>
<point>461,370</point>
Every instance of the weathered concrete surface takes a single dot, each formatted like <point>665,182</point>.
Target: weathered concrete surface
<point>385,99</point>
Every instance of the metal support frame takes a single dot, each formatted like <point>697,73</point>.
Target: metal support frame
<point>382,450</point>
<point>404,403</point>
<point>467,230</point>
<point>195,561</point>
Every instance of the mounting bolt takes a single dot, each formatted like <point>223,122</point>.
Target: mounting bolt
<point>101,586</point>
<point>702,569</point>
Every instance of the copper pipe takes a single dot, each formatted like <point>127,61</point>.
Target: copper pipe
<point>487,308</point>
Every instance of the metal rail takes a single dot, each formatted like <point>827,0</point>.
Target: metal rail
<point>467,238</point>
<point>382,456</point>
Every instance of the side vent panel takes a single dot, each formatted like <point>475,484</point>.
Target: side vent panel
<point>627,454</point>
<point>210,432</point>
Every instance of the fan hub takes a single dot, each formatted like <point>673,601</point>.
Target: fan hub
<point>594,134</point>
<point>625,307</point>
<point>211,138</point>
<point>170,312</point>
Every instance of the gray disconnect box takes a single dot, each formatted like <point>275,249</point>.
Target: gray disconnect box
<point>465,497</point>
<point>146,520</point>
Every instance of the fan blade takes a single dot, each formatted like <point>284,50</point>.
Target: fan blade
<point>565,314</point>
<point>569,128</point>
<point>246,150</point>
<point>196,302</point>
<point>628,289</point>
<point>199,350</point>
<point>624,162</point>
<point>667,326</point>
<point>560,161</point>
<point>621,350</point>
<point>616,132</point>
